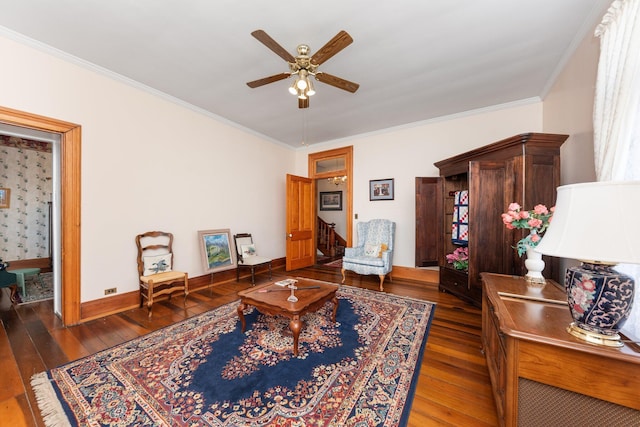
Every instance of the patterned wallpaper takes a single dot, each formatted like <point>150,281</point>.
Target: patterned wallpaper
<point>25,169</point>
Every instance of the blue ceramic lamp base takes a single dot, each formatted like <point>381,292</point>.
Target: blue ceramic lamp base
<point>600,301</point>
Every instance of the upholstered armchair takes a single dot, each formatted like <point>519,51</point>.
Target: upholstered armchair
<point>374,252</point>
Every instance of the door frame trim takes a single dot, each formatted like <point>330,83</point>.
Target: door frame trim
<point>70,162</point>
<point>347,154</point>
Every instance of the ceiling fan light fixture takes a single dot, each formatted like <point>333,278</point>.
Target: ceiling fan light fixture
<point>301,84</point>
<point>303,80</point>
<point>303,66</point>
<point>310,89</point>
<point>293,89</point>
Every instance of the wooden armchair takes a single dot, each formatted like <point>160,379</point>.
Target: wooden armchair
<point>155,267</point>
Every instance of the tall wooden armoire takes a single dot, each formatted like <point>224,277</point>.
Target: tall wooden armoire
<point>524,169</point>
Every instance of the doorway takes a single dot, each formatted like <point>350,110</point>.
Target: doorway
<point>32,164</point>
<point>331,172</point>
<point>69,211</point>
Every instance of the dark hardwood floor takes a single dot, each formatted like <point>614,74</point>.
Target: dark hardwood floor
<point>453,388</point>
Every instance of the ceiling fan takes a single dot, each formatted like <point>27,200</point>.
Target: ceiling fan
<point>303,66</point>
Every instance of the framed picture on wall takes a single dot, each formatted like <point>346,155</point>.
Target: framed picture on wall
<point>331,200</point>
<point>216,249</point>
<point>381,189</point>
<point>5,198</point>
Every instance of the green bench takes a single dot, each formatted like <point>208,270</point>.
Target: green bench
<point>21,273</point>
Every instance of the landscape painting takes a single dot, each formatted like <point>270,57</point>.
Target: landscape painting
<point>216,250</point>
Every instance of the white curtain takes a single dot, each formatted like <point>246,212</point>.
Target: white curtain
<point>616,112</point>
<point>617,102</point>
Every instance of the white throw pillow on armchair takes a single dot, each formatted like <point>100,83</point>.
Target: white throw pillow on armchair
<point>372,250</point>
<point>156,264</point>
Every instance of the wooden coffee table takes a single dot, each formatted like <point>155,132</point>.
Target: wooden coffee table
<point>271,299</point>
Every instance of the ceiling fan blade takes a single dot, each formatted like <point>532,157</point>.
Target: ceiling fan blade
<point>266,40</point>
<point>267,80</point>
<point>333,46</point>
<point>303,103</point>
<point>337,82</point>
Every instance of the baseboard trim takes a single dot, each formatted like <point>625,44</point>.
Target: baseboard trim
<point>419,274</point>
<point>107,306</point>
<point>118,303</point>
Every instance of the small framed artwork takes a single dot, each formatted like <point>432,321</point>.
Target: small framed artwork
<point>381,189</point>
<point>216,250</point>
<point>5,198</point>
<point>331,200</point>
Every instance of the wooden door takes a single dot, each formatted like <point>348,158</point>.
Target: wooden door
<point>490,190</point>
<point>428,222</point>
<point>301,248</point>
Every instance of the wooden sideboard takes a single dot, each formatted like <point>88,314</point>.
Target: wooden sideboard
<point>541,375</point>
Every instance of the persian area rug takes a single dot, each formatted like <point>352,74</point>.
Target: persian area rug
<point>38,288</point>
<point>360,371</point>
<point>335,264</point>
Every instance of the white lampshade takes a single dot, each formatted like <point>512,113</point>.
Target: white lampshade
<point>596,222</point>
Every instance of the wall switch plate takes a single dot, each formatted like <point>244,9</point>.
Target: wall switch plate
<point>356,216</point>
<point>110,291</point>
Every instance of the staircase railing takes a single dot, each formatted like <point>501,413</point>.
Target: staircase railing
<point>330,243</point>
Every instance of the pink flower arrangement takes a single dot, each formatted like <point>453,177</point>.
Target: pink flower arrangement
<point>536,220</point>
<point>459,258</point>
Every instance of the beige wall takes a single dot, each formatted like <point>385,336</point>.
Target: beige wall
<point>411,151</point>
<point>148,163</point>
<point>568,108</point>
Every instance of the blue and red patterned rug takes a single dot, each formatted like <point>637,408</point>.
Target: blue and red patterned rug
<point>204,371</point>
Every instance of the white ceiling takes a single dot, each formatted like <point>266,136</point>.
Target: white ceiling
<point>415,60</point>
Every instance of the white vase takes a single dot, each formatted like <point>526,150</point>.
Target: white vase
<point>535,265</point>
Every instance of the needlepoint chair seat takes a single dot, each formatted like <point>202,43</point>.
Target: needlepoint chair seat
<point>248,257</point>
<point>374,251</point>
<point>155,268</point>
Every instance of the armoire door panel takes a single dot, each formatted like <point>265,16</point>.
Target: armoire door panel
<point>428,223</point>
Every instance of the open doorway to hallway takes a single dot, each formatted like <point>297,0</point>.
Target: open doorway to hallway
<point>331,220</point>
<point>69,206</point>
<point>331,172</point>
<point>29,226</point>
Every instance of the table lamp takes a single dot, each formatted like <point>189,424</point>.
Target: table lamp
<point>596,223</point>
